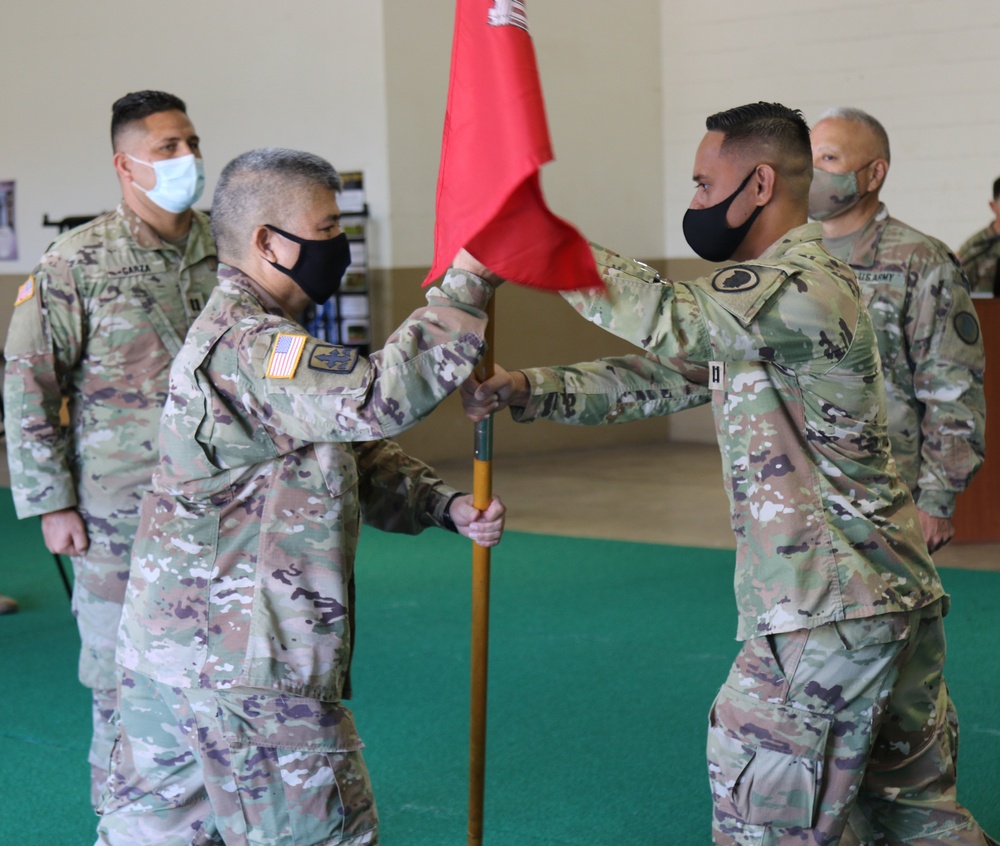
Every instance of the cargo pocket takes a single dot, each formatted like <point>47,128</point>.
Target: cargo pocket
<point>298,769</point>
<point>765,761</point>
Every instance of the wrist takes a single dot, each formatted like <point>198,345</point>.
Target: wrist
<point>520,391</point>
<point>446,520</point>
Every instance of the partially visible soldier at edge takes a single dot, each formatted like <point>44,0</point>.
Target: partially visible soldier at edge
<point>980,254</point>
<point>98,323</point>
<point>918,298</point>
<point>837,698</point>
<point>238,627</point>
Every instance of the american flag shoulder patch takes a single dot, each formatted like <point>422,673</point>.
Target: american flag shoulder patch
<point>26,291</point>
<point>285,355</point>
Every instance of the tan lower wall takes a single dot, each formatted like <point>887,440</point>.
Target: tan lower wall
<point>532,328</point>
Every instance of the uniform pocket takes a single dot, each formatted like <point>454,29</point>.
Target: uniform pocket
<point>298,769</point>
<point>765,760</point>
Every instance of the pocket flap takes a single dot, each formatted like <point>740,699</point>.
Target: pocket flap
<point>766,760</point>
<point>283,721</point>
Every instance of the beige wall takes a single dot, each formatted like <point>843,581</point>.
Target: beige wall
<point>920,66</point>
<point>627,87</point>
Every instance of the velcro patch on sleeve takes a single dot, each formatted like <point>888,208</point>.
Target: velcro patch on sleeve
<point>25,292</point>
<point>743,289</point>
<point>329,358</point>
<point>285,355</point>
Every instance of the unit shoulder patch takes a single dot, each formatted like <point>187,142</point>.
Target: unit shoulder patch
<point>285,355</point>
<point>329,358</point>
<point>967,327</point>
<point>25,292</point>
<point>734,280</point>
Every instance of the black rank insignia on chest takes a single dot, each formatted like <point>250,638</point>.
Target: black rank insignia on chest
<point>333,359</point>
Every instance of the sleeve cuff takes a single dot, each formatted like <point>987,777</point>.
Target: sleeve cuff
<point>462,288</point>
<point>937,503</point>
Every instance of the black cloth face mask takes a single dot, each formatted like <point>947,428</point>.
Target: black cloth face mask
<point>707,232</point>
<point>320,266</point>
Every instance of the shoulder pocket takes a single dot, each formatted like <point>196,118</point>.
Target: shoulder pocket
<point>743,289</point>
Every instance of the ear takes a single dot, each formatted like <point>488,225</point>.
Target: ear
<point>123,167</point>
<point>261,239</point>
<point>880,168</point>
<point>765,179</point>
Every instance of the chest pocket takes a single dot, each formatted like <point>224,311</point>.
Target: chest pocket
<point>339,467</point>
<point>884,295</point>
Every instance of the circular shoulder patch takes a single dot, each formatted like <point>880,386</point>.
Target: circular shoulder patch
<point>732,280</point>
<point>967,327</point>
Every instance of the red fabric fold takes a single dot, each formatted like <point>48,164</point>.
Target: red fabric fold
<point>489,196</point>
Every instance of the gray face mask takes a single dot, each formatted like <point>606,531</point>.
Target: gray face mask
<point>834,193</point>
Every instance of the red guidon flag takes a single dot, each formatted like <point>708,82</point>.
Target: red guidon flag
<point>489,197</point>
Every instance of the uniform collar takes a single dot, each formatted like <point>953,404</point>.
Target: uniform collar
<point>236,278</point>
<point>793,239</point>
<point>199,244</point>
<point>864,242</point>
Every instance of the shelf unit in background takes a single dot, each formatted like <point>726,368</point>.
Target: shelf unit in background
<point>345,319</point>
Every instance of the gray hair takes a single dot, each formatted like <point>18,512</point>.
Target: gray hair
<point>260,187</point>
<point>854,115</point>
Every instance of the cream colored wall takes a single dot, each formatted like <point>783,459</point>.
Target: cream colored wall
<point>309,75</point>
<point>599,65</point>
<point>627,88</point>
<point>925,68</point>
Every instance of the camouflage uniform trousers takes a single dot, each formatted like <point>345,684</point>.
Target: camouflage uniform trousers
<point>850,719</point>
<point>237,766</point>
<point>97,621</point>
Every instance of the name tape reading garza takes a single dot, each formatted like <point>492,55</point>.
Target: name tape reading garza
<point>285,356</point>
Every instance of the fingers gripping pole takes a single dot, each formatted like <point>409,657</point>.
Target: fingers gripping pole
<point>482,494</point>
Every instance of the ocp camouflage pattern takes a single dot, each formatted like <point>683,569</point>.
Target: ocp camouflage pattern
<point>243,569</point>
<point>109,308</point>
<point>825,529</point>
<point>932,356</point>
<point>980,258</point>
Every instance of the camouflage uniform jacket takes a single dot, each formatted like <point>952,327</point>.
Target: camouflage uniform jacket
<point>784,350</point>
<point>932,356</point>
<point>243,566</point>
<point>980,257</point>
<point>99,322</point>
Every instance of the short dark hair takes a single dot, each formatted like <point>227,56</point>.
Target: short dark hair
<point>776,134</point>
<point>262,187</point>
<point>139,105</point>
<point>996,189</point>
<point>762,122</point>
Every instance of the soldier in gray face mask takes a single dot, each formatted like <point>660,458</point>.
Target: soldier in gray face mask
<point>918,298</point>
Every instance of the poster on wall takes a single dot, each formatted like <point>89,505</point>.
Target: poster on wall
<point>8,237</point>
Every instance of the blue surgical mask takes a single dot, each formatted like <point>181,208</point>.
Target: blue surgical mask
<point>179,182</point>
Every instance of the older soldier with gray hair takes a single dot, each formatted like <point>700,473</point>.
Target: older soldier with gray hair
<point>928,334</point>
<point>837,696</point>
<point>238,626</point>
<point>98,323</point>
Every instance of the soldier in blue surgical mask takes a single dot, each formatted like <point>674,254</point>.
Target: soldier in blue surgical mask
<point>99,322</point>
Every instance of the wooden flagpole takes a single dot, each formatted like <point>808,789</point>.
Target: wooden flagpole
<point>482,495</point>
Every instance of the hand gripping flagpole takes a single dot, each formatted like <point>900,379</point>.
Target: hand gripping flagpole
<point>482,495</point>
